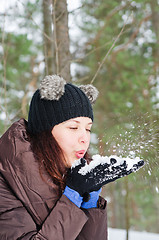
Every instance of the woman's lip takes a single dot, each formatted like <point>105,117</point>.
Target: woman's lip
<point>80,154</point>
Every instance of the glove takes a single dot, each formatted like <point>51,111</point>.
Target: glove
<point>85,178</point>
<point>70,192</point>
<point>75,180</point>
<point>92,202</point>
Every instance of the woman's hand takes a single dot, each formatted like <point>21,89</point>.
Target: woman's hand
<point>85,178</point>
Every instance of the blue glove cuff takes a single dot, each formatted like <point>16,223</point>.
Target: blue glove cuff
<point>73,196</point>
<point>92,203</point>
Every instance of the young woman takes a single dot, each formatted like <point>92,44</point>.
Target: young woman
<point>35,156</point>
<point>44,192</point>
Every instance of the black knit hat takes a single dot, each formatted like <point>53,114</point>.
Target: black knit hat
<point>57,101</point>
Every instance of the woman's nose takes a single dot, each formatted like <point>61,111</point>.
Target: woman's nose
<point>84,138</point>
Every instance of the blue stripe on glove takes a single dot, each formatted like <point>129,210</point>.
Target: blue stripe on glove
<point>73,196</point>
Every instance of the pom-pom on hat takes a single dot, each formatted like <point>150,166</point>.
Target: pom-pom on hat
<point>57,101</point>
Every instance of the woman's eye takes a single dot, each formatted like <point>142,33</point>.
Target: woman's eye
<point>75,128</point>
<point>89,130</point>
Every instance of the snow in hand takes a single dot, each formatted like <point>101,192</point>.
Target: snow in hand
<point>112,162</point>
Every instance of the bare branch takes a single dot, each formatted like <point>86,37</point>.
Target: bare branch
<point>62,13</point>
<point>107,54</point>
<point>76,9</point>
<point>37,25</point>
<point>132,37</point>
<point>107,18</point>
<point>89,53</point>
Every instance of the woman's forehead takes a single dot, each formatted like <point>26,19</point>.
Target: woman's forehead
<point>80,120</point>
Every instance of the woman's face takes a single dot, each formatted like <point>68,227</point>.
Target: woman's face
<point>73,136</point>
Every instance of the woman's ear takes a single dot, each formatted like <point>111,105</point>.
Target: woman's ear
<point>90,91</point>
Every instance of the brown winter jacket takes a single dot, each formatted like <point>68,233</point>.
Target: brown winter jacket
<point>30,208</point>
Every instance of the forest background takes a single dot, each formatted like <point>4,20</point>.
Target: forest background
<point>115,46</point>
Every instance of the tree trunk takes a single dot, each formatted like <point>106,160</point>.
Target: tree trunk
<point>61,38</point>
<point>127,217</point>
<point>48,38</point>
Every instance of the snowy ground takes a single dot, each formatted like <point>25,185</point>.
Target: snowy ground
<point>119,234</point>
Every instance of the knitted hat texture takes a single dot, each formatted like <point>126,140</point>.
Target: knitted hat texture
<point>57,101</point>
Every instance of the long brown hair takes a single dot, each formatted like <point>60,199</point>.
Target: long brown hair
<point>50,156</point>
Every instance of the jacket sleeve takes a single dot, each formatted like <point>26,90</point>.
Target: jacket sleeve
<point>64,222</point>
<point>96,226</point>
